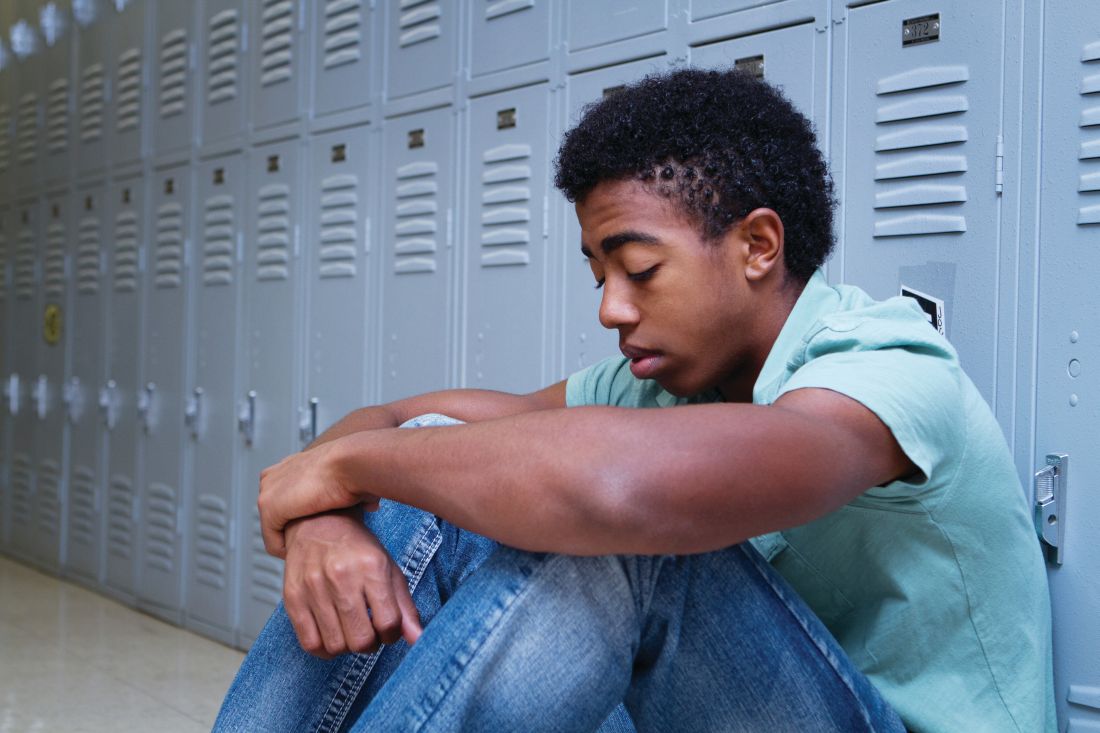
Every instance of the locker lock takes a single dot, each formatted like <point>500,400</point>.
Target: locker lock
<point>74,400</point>
<point>108,404</point>
<point>307,422</point>
<point>1051,483</point>
<point>13,390</point>
<point>146,407</point>
<point>246,417</point>
<point>41,396</point>
<point>192,413</point>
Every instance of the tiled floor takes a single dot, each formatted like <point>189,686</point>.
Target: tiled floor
<point>71,660</point>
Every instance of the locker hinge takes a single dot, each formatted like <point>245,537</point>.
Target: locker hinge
<point>450,227</point>
<point>1000,170</point>
<point>545,217</point>
<point>244,37</point>
<point>366,235</point>
<point>1051,483</point>
<point>297,241</point>
<point>141,260</point>
<point>232,535</point>
<point>240,247</point>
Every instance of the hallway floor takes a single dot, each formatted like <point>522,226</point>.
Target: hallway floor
<point>72,660</point>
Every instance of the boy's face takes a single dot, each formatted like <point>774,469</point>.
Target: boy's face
<point>686,314</point>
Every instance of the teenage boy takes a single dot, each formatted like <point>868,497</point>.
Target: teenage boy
<point>823,530</point>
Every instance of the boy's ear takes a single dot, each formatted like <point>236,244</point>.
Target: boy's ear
<point>762,230</point>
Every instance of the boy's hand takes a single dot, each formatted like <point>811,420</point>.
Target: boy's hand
<point>342,591</point>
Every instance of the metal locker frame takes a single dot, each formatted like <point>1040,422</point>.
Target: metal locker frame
<point>421,46</point>
<point>118,398</point>
<point>506,335</point>
<point>165,504</point>
<point>174,78</point>
<point>345,59</point>
<point>271,360</point>
<point>279,61</point>
<point>223,82</point>
<point>58,64</point>
<point>417,272</point>
<point>215,454</point>
<point>130,78</point>
<point>342,202</point>
<point>85,547</point>
<point>93,120</point>
<point>5,361</point>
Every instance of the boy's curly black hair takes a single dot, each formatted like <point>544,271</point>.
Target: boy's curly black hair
<point>721,143</point>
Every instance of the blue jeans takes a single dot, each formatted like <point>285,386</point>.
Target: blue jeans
<point>543,642</point>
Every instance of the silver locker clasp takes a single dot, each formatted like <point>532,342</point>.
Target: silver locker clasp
<point>1051,483</point>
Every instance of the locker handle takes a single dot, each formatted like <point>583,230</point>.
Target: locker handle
<point>192,412</point>
<point>146,400</point>
<point>13,391</point>
<point>108,405</point>
<point>246,417</point>
<point>74,400</point>
<point>1051,483</point>
<point>41,396</point>
<point>307,424</point>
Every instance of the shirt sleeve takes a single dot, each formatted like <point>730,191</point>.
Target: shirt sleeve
<point>909,377</point>
<point>611,383</point>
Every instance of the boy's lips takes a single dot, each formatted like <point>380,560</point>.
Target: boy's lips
<point>643,362</point>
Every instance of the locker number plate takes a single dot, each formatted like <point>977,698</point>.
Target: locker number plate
<point>416,139</point>
<point>752,65</point>
<point>925,29</point>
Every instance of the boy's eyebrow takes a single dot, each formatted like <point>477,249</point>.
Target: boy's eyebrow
<point>612,242</point>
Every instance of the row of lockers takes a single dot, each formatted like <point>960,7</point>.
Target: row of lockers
<point>91,83</point>
<point>214,309</point>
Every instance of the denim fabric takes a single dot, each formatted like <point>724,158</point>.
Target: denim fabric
<point>545,642</point>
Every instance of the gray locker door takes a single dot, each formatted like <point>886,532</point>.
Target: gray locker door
<point>211,411</point>
<point>6,231</point>
<point>221,101</point>
<point>1068,396</point>
<point>161,408</point>
<point>93,108</point>
<point>506,328</point>
<point>7,127</point>
<point>28,139</point>
<point>56,72</point>
<point>417,337</point>
<point>277,61</point>
<point>172,77</point>
<point>51,430</point>
<point>338,273</point>
<point>25,314</point>
<point>130,81</point>
<point>701,9</point>
<point>920,131</point>
<point>584,340</point>
<point>592,24</point>
<point>271,372</point>
<point>120,393</point>
<point>508,33</point>
<point>342,75</point>
<point>420,50</point>
<point>84,544</point>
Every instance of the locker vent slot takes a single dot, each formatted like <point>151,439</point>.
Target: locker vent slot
<point>22,480</point>
<point>276,46</point>
<point>267,572</point>
<point>3,267</point>
<point>82,515</point>
<point>419,21</point>
<point>505,208</point>
<point>160,528</point>
<point>339,225</point>
<point>212,542</point>
<point>54,262</point>
<point>27,147</point>
<point>169,256</point>
<point>920,158</point>
<point>24,265</point>
<point>221,58</point>
<point>496,8</point>
<point>120,513</point>
<point>173,73</point>
<point>219,237</point>
<point>1088,187</point>
<point>91,104</point>
<point>128,95</point>
<point>5,146</point>
<point>126,252</point>
<point>273,233</point>
<point>342,20</point>
<point>87,256</point>
<point>57,116</point>
<point>49,498</point>
<point>415,227</point>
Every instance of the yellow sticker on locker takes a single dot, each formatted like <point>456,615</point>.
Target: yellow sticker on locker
<point>51,327</point>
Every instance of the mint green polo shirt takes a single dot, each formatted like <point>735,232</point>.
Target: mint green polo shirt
<point>935,588</point>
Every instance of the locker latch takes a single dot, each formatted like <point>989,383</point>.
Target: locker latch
<point>307,422</point>
<point>108,404</point>
<point>246,417</point>
<point>192,412</point>
<point>12,391</point>
<point>146,405</point>
<point>41,396</point>
<point>1051,483</point>
<point>74,400</point>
